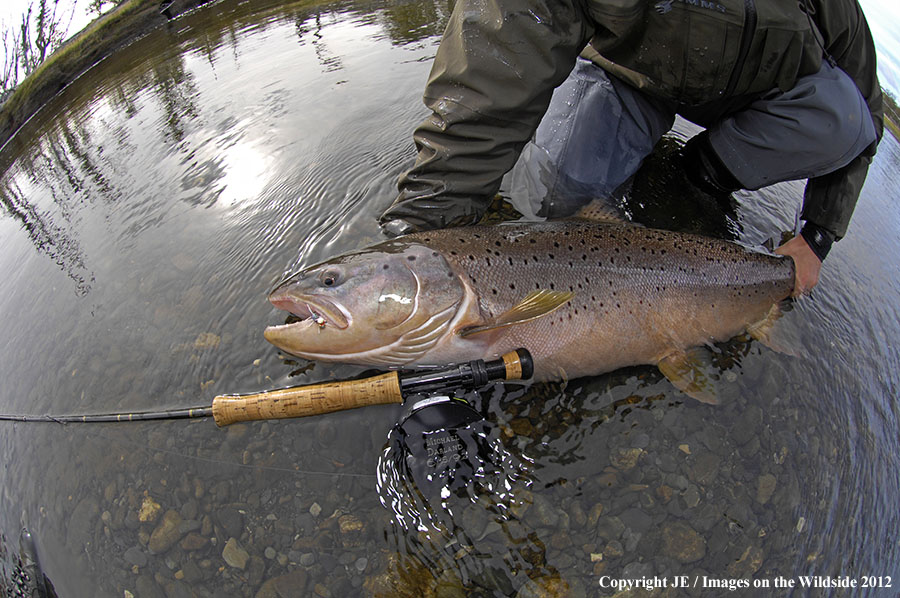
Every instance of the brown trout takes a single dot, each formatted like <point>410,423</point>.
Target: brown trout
<point>583,297</point>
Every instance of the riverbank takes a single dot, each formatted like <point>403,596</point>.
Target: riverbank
<point>119,27</point>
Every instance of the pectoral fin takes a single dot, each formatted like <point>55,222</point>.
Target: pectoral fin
<point>534,305</point>
<point>685,370</point>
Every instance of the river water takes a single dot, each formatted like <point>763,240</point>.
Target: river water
<point>149,208</point>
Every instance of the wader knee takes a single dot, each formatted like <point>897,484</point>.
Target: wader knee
<point>705,170</point>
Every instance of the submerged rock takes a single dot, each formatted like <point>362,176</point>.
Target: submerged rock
<point>235,555</point>
<point>81,524</point>
<point>284,586</point>
<point>167,533</point>
<point>624,459</point>
<point>682,543</point>
<point>765,487</point>
<point>150,510</point>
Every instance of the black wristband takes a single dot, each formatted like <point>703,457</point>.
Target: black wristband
<point>819,239</point>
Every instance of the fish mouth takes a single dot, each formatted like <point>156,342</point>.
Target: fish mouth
<point>306,310</point>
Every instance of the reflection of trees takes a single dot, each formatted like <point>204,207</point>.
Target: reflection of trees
<point>402,23</point>
<point>311,27</point>
<point>53,241</point>
<point>175,89</point>
<point>414,21</point>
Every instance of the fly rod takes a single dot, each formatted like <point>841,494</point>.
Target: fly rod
<point>327,397</point>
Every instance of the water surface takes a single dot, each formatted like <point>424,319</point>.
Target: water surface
<point>150,207</point>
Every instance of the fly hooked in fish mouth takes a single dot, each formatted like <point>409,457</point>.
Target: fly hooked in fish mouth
<point>318,313</point>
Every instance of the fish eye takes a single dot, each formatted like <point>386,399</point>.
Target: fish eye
<point>330,278</point>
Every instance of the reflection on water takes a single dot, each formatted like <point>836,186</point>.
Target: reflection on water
<point>453,491</point>
<point>147,210</point>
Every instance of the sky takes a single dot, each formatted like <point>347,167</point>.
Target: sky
<point>11,12</point>
<point>883,17</point>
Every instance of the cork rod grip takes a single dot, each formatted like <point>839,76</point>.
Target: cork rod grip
<point>307,400</point>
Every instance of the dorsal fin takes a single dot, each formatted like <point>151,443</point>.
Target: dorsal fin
<point>534,305</point>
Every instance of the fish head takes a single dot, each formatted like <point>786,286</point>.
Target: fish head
<point>386,305</point>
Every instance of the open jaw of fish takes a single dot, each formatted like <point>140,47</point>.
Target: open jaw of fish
<point>311,310</point>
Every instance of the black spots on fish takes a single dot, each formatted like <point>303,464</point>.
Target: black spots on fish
<point>494,291</point>
<point>510,260</point>
<point>386,267</point>
<point>556,244</point>
<point>411,258</point>
<point>498,244</point>
<point>453,252</point>
<point>512,286</point>
<point>487,260</point>
<point>434,254</point>
<point>532,241</point>
<point>471,258</point>
<point>551,256</point>
<point>552,286</point>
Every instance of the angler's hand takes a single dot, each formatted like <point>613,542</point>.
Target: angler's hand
<point>806,265</point>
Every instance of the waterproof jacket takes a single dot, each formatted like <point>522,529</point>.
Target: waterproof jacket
<point>499,61</point>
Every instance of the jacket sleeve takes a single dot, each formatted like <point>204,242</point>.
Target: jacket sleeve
<point>830,199</point>
<point>490,84</point>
